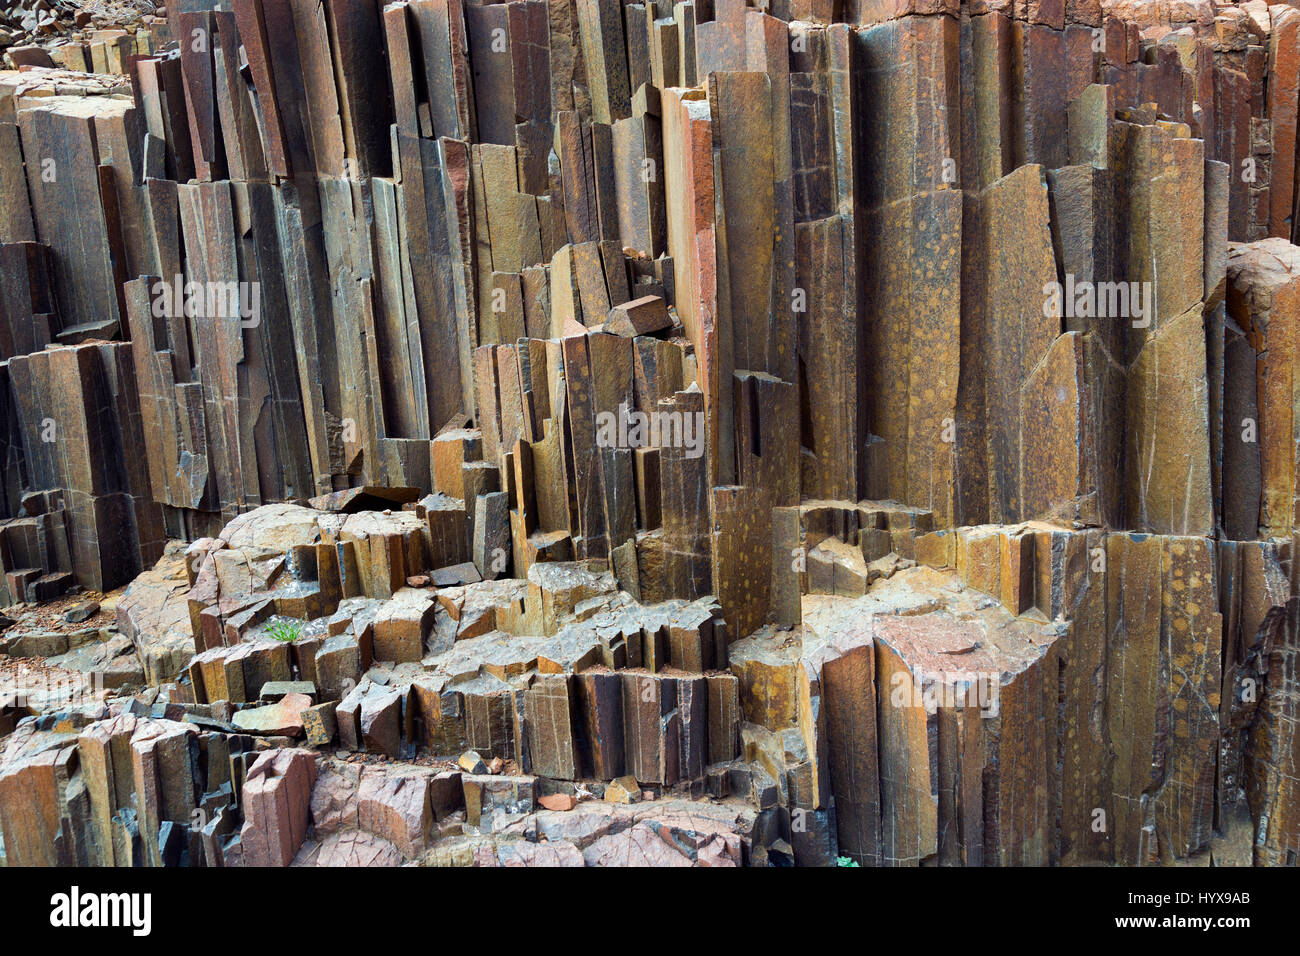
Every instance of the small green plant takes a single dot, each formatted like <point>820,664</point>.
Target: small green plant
<point>285,629</point>
<point>845,861</point>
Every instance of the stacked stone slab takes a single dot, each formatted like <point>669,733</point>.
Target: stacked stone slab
<point>78,417</point>
<point>283,157</point>
<point>117,790</point>
<point>553,675</point>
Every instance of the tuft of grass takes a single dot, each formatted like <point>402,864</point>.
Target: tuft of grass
<point>285,630</point>
<point>845,861</point>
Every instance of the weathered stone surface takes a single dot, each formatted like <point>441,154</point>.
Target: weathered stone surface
<point>284,718</point>
<point>642,316</point>
<point>400,625</point>
<point>549,705</point>
<point>1168,446</point>
<point>626,434</point>
<point>396,808</point>
<point>277,795</point>
<point>1264,302</point>
<point>154,614</point>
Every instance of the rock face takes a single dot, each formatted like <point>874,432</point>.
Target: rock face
<point>670,434</point>
<point>154,614</point>
<point>277,789</point>
<point>281,719</point>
